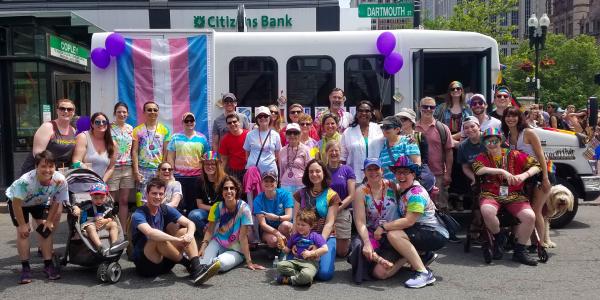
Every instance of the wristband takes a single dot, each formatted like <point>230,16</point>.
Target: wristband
<point>383,228</point>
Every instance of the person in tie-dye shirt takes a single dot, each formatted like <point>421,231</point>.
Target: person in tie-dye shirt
<point>185,152</point>
<point>150,140</point>
<point>226,238</point>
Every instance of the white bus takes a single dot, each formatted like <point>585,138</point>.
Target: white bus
<point>305,66</point>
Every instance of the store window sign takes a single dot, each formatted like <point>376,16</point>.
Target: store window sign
<point>231,22</point>
<point>68,51</point>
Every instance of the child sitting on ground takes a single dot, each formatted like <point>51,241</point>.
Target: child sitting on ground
<point>96,215</point>
<point>307,247</point>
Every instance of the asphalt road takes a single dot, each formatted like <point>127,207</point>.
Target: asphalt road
<point>571,272</point>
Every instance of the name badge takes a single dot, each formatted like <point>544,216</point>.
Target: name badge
<point>503,191</point>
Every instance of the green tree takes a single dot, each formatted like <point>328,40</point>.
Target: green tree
<point>486,17</point>
<point>569,81</point>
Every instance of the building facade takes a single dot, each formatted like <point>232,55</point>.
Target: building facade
<point>45,47</point>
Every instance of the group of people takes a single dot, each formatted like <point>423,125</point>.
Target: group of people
<point>338,185</point>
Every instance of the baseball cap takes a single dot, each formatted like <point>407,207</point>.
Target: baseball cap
<point>472,119</point>
<point>262,110</point>
<point>391,121</point>
<point>370,161</point>
<point>270,174</point>
<point>187,114</point>
<point>98,189</point>
<point>292,127</point>
<point>230,97</point>
<point>476,97</point>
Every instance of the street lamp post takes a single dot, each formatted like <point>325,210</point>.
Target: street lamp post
<point>537,38</point>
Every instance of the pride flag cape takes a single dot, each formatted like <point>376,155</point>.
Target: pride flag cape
<point>171,72</point>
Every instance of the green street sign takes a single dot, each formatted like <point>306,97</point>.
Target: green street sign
<point>68,51</point>
<point>386,11</point>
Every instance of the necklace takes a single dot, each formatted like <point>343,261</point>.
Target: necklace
<point>290,162</point>
<point>150,142</point>
<point>378,206</point>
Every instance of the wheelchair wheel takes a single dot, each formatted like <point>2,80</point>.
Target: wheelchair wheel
<point>487,254</point>
<point>101,272</point>
<point>542,254</point>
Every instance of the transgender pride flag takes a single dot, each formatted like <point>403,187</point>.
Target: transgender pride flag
<point>171,72</point>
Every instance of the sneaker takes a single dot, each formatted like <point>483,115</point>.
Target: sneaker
<point>429,257</point>
<point>420,279</point>
<point>206,272</point>
<point>524,258</point>
<point>532,249</point>
<point>454,239</point>
<point>25,276</point>
<point>51,272</point>
<point>282,279</point>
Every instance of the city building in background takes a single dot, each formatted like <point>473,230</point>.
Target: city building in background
<point>45,46</point>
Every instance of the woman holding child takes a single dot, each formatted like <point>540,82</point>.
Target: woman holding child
<point>319,197</point>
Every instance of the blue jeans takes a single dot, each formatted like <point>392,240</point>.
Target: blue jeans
<point>327,262</point>
<point>199,217</point>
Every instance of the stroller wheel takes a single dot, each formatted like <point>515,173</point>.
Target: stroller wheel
<point>113,272</point>
<point>101,272</point>
<point>467,245</point>
<point>487,255</point>
<point>542,254</point>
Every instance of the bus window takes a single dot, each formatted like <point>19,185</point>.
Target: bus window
<point>253,80</point>
<point>365,79</point>
<point>310,79</point>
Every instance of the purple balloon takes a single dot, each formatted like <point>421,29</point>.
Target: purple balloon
<point>115,44</point>
<point>393,63</point>
<point>100,57</point>
<point>83,124</point>
<point>386,42</point>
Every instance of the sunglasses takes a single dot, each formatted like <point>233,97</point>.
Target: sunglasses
<point>293,132</point>
<point>305,124</point>
<point>388,127</point>
<point>229,188</point>
<point>403,172</point>
<point>274,112</point>
<point>232,122</point>
<point>502,96</point>
<point>187,121</point>
<point>295,112</point>
<point>262,116</point>
<point>477,103</point>
<point>455,89</point>
<point>166,169</point>
<point>100,122</point>
<point>69,109</point>
<point>152,110</point>
<point>428,107</point>
<point>492,141</point>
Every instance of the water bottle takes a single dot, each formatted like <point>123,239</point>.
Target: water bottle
<point>275,262</point>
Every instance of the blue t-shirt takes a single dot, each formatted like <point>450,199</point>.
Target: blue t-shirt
<point>402,147</point>
<point>467,151</point>
<point>597,153</point>
<point>302,243</point>
<point>283,199</point>
<point>157,222</point>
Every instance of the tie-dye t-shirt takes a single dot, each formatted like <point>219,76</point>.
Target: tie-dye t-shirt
<point>123,137</point>
<point>31,192</point>
<point>417,200</point>
<point>150,144</point>
<point>229,224</point>
<point>188,152</point>
<point>387,211</point>
<point>403,147</point>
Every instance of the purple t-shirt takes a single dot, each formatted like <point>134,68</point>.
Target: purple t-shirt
<point>302,243</point>
<point>339,180</point>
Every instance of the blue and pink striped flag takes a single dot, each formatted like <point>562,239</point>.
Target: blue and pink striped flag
<point>171,72</point>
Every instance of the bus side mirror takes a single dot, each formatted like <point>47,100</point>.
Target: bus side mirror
<point>592,111</point>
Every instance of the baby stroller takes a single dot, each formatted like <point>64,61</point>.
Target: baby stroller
<point>79,249</point>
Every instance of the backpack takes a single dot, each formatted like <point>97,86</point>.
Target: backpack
<point>443,137</point>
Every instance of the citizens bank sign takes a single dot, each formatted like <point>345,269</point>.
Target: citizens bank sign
<point>231,22</point>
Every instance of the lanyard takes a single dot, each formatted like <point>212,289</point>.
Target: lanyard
<point>378,207</point>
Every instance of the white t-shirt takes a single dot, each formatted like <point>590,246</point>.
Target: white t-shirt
<point>491,122</point>
<point>253,144</point>
<point>29,189</point>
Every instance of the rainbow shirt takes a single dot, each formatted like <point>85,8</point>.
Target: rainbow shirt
<point>123,138</point>
<point>229,225</point>
<point>150,145</point>
<point>188,153</point>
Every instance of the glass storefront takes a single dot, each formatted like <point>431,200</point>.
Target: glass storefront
<point>30,95</point>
